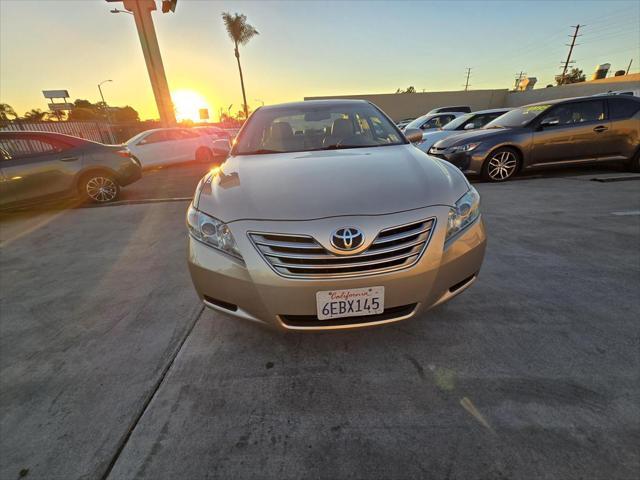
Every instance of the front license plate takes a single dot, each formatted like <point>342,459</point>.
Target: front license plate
<point>354,302</point>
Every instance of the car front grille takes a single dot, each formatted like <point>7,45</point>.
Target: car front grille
<point>302,256</point>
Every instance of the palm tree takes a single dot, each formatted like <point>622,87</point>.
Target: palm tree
<point>240,32</point>
<point>7,110</point>
<point>36,115</point>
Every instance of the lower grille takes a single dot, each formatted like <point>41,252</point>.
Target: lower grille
<point>312,320</point>
<point>303,256</point>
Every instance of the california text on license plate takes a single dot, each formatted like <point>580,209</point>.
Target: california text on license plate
<point>354,302</point>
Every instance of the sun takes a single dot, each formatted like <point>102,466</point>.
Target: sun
<point>188,104</point>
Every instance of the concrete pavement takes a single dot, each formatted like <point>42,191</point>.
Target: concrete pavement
<point>109,368</point>
<point>94,305</point>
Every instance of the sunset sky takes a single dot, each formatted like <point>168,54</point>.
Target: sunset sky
<point>305,48</point>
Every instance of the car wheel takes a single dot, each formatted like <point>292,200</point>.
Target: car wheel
<point>501,165</point>
<point>204,155</point>
<point>99,187</point>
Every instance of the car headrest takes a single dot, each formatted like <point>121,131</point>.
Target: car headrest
<point>281,131</point>
<point>342,127</point>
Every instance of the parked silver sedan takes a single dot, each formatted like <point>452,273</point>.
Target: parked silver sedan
<point>326,217</point>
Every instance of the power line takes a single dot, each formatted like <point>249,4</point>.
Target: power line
<point>466,86</point>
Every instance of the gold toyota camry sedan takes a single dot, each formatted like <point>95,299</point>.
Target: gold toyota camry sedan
<point>324,216</point>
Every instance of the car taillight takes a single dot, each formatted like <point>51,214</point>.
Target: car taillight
<point>124,153</point>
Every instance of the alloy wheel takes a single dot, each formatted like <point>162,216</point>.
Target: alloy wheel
<point>502,165</point>
<point>101,189</point>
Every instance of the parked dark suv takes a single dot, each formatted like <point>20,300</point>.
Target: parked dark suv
<point>561,132</point>
<point>38,166</point>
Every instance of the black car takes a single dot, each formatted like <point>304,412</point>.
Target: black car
<point>457,108</point>
<point>560,132</point>
<point>40,166</point>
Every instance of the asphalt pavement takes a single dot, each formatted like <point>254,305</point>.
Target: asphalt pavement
<point>111,369</point>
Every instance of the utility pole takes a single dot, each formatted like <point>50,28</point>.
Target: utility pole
<point>573,43</point>
<point>141,10</point>
<point>466,85</point>
<point>629,67</point>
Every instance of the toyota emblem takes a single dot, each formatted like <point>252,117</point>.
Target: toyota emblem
<point>347,238</point>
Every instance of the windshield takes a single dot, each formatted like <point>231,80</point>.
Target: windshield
<point>417,123</point>
<point>518,117</point>
<point>137,137</point>
<point>454,124</point>
<point>326,127</point>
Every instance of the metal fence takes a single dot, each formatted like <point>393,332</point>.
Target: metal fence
<point>96,131</point>
<point>102,132</point>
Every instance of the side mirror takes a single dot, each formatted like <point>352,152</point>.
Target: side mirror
<point>549,122</point>
<point>470,126</point>
<point>414,135</point>
<point>221,147</point>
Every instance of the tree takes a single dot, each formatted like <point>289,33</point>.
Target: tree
<point>84,110</point>
<point>409,89</point>
<point>240,33</point>
<point>80,114</point>
<point>36,115</point>
<point>124,115</point>
<point>7,111</point>
<point>573,76</point>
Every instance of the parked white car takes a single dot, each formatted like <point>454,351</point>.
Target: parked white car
<point>164,146</point>
<point>432,121</point>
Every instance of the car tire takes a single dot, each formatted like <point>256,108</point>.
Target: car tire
<point>634,164</point>
<point>99,187</point>
<point>501,165</point>
<point>204,155</point>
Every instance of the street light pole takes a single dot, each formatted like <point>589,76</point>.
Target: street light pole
<point>106,108</point>
<point>141,10</point>
<point>100,90</point>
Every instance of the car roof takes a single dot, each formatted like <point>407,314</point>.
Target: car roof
<point>317,103</point>
<point>573,99</point>
<point>163,129</point>
<point>54,135</point>
<point>491,110</point>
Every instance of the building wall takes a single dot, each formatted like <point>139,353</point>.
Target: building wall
<point>410,105</point>
<point>626,82</point>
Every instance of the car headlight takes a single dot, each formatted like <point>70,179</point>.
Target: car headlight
<point>464,148</point>
<point>212,232</point>
<point>466,211</point>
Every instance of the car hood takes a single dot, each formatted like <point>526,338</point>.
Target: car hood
<point>311,185</point>
<point>472,136</point>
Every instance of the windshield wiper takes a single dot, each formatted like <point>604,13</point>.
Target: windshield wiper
<point>337,147</point>
<point>261,151</point>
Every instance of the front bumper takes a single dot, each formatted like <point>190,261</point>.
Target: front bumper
<point>254,291</point>
<point>468,162</point>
